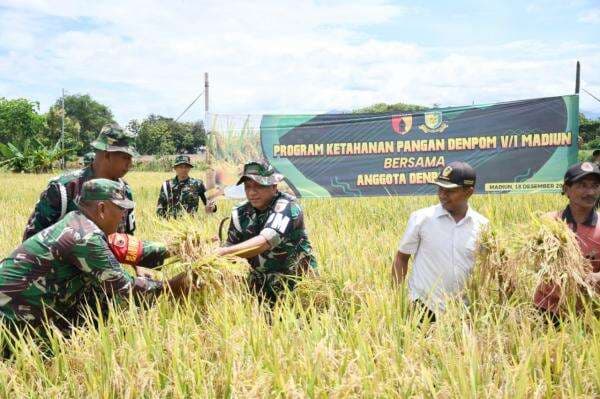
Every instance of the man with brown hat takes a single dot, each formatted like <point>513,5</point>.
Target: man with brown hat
<point>182,193</point>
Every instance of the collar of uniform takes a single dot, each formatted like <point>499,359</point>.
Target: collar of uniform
<point>440,211</point>
<point>88,173</point>
<point>591,220</point>
<point>176,180</point>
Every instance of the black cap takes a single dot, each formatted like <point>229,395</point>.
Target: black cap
<point>456,174</point>
<point>581,170</point>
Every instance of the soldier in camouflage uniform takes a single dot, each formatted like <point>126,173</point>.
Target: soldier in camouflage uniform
<point>182,193</point>
<point>269,231</point>
<point>88,158</point>
<point>114,152</point>
<point>51,274</point>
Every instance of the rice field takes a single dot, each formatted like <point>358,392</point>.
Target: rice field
<point>349,334</point>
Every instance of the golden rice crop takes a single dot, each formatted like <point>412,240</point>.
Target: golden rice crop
<point>353,335</point>
<point>516,261</point>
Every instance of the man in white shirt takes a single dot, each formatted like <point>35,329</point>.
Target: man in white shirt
<point>443,240</point>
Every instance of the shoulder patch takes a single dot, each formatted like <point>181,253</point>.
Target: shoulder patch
<point>280,205</point>
<point>67,176</point>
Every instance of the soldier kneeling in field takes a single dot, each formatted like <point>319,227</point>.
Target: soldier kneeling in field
<point>268,229</point>
<point>182,193</point>
<point>51,275</point>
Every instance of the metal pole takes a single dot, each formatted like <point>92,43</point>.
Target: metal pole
<point>205,97</point>
<point>577,78</point>
<point>206,121</point>
<point>62,128</point>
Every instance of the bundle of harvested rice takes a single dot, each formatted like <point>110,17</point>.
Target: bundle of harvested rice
<point>193,251</point>
<point>550,250</point>
<point>186,240</point>
<point>494,277</point>
<point>512,264</point>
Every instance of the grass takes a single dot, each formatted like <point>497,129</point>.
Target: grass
<point>349,335</point>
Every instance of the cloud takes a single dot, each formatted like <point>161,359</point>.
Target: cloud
<point>143,57</point>
<point>591,16</point>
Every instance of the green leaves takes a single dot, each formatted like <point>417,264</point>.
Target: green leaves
<point>158,135</point>
<point>32,157</point>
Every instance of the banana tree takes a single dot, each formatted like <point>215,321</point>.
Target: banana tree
<point>32,157</point>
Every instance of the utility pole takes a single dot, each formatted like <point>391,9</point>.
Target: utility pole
<point>206,121</point>
<point>205,98</point>
<point>62,127</point>
<point>577,76</point>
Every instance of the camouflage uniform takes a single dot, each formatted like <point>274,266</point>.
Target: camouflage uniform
<point>88,158</point>
<point>51,272</point>
<point>178,196</point>
<point>282,224</point>
<point>58,198</point>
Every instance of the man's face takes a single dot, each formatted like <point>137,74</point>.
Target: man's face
<point>584,192</point>
<point>259,196</point>
<point>120,163</point>
<point>453,199</point>
<point>182,171</point>
<point>111,215</point>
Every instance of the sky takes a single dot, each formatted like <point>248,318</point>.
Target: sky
<point>300,57</point>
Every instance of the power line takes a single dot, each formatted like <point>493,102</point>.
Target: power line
<point>189,106</point>
<point>595,98</point>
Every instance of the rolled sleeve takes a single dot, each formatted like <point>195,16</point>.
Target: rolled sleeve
<point>93,257</point>
<point>272,236</point>
<point>411,238</point>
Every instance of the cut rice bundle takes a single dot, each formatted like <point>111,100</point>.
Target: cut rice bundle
<point>516,262</point>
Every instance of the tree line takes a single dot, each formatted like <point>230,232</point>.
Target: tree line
<point>30,140</point>
<point>21,124</point>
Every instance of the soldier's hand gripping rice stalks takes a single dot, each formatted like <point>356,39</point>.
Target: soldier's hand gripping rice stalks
<point>188,243</point>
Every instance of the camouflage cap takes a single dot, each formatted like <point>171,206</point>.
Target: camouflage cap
<point>261,172</point>
<point>183,159</point>
<point>105,190</point>
<point>114,139</point>
<point>88,158</point>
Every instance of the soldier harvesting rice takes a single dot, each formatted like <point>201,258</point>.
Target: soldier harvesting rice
<point>53,273</point>
<point>182,193</point>
<point>114,151</point>
<point>582,188</point>
<point>268,229</point>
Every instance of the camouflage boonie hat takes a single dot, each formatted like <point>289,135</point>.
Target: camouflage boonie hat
<point>105,190</point>
<point>88,158</point>
<point>114,139</point>
<point>261,172</point>
<point>183,159</point>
